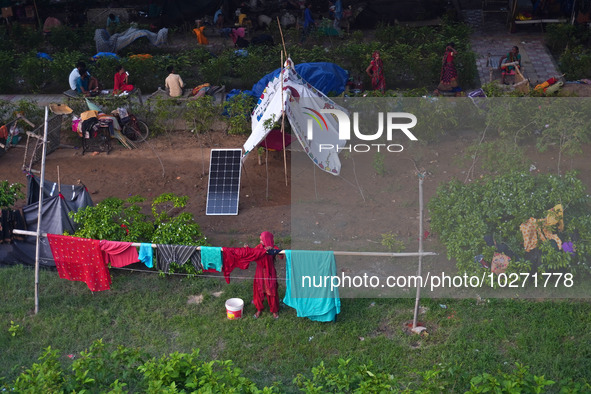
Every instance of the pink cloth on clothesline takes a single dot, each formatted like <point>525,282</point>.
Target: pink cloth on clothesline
<point>119,254</point>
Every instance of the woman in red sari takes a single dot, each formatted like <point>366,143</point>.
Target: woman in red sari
<point>376,71</point>
<point>265,278</point>
<point>449,75</point>
<point>121,84</point>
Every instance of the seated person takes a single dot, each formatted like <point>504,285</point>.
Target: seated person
<point>86,85</point>
<point>173,83</point>
<point>511,57</point>
<point>121,83</point>
<point>75,74</point>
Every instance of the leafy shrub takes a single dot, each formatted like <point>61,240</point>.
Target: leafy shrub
<point>7,65</point>
<point>201,113</point>
<point>107,218</point>
<point>118,220</point>
<point>518,381</point>
<point>9,194</point>
<point>123,369</point>
<point>43,377</point>
<point>34,71</point>
<point>239,109</point>
<point>575,62</point>
<point>463,214</point>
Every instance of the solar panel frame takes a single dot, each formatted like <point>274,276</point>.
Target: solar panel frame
<point>223,186</point>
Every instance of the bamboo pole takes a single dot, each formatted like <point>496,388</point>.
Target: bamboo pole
<point>40,210</point>
<point>420,254</point>
<point>336,252</point>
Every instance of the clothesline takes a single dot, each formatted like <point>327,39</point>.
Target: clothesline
<point>336,252</point>
<point>200,275</point>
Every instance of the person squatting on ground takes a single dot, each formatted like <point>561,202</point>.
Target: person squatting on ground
<point>174,84</point>
<point>265,278</point>
<point>512,57</point>
<point>376,71</point>
<point>121,83</point>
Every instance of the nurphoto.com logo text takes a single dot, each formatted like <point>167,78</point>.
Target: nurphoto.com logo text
<point>391,120</point>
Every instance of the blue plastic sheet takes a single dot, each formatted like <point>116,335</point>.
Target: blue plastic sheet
<point>329,78</point>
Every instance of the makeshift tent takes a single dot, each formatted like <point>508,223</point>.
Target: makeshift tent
<point>302,103</point>
<point>55,217</point>
<point>326,77</point>
<point>116,42</point>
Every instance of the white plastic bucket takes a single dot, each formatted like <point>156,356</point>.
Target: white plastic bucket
<point>234,308</point>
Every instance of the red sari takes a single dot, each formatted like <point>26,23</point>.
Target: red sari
<point>265,277</point>
<point>378,81</point>
<point>120,85</point>
<point>449,74</point>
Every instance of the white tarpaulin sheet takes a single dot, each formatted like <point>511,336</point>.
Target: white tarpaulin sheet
<point>302,103</point>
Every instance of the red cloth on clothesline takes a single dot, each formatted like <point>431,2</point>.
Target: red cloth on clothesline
<point>239,258</point>
<point>119,254</point>
<point>80,259</point>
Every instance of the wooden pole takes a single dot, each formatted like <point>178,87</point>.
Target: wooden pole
<point>59,184</point>
<point>40,210</point>
<point>37,13</point>
<point>283,121</point>
<point>418,298</point>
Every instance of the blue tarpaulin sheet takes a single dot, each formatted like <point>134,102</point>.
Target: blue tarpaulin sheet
<point>326,77</point>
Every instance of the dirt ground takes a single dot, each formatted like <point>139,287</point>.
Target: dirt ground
<point>358,207</point>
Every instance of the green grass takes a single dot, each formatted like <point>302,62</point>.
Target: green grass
<point>152,313</point>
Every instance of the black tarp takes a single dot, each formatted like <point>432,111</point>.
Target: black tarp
<point>55,218</point>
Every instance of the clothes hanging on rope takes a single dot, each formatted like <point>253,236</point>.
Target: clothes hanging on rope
<point>146,255</point>
<point>119,254</point>
<point>80,259</point>
<point>211,258</point>
<point>318,303</point>
<point>239,258</point>
<point>179,254</point>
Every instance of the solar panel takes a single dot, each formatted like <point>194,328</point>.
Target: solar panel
<point>223,189</point>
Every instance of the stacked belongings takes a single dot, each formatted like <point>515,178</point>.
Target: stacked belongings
<point>549,86</point>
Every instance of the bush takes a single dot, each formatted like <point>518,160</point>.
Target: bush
<point>118,220</point>
<point>10,193</point>
<point>463,214</point>
<point>239,109</point>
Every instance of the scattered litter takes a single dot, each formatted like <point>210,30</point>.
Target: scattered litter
<point>532,168</point>
<point>317,242</point>
<point>178,177</point>
<point>361,338</point>
<point>217,293</point>
<point>372,304</point>
<point>70,356</point>
<point>418,330</point>
<point>423,310</point>
<point>195,299</point>
<point>443,306</point>
<point>310,338</point>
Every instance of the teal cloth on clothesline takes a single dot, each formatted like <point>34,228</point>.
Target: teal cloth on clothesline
<point>146,255</point>
<point>211,258</point>
<point>316,303</point>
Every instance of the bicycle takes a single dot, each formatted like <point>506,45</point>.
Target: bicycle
<point>134,129</point>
